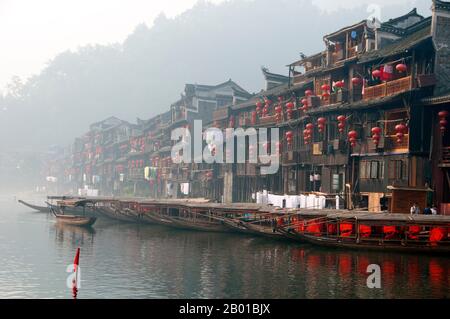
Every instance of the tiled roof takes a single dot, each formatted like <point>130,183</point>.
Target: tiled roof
<point>399,46</point>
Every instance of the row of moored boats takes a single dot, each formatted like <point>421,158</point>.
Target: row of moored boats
<point>333,228</point>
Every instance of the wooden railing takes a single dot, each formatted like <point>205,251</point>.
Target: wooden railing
<point>351,52</point>
<point>446,155</point>
<point>388,88</point>
<point>390,142</point>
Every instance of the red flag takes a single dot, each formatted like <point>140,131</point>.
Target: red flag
<point>76,261</point>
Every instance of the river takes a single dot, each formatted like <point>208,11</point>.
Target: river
<point>120,260</point>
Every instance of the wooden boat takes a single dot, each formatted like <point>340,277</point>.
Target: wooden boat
<point>73,220</point>
<point>42,209</point>
<point>375,231</point>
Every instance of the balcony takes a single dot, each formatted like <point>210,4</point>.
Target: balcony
<point>388,88</point>
<point>390,143</point>
<point>339,97</point>
<point>136,173</point>
<point>445,159</point>
<point>352,52</point>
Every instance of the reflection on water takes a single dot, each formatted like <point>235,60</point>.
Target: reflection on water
<point>141,261</point>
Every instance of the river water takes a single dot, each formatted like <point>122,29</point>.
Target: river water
<point>120,260</point>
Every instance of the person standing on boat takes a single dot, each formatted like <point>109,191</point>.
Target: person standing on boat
<point>414,210</point>
<point>434,210</point>
<point>274,225</point>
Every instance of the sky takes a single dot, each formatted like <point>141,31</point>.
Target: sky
<point>33,32</point>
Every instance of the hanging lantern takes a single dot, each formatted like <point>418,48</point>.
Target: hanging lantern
<point>310,126</point>
<point>307,136</point>
<point>341,123</point>
<point>401,67</point>
<point>325,87</point>
<point>308,93</point>
<point>376,135</point>
<point>401,129</point>
<point>305,105</point>
<point>352,136</point>
<point>321,121</point>
<point>341,127</point>
<point>376,73</point>
<point>290,105</point>
<point>325,95</point>
<point>289,136</point>
<point>278,113</point>
<point>339,84</point>
<point>356,81</point>
<point>443,120</point>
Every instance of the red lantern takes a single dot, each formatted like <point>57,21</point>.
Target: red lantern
<point>401,129</point>
<point>290,105</point>
<point>339,84</point>
<point>307,136</point>
<point>325,95</point>
<point>341,118</point>
<point>310,126</point>
<point>376,73</point>
<point>376,131</point>
<point>341,125</point>
<point>325,87</point>
<point>356,81</point>
<point>321,121</point>
<point>305,102</point>
<point>401,67</point>
<point>443,114</point>
<point>443,120</point>
<point>308,93</point>
<point>289,136</point>
<point>352,136</point>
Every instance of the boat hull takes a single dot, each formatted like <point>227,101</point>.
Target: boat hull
<point>79,221</point>
<point>380,246</point>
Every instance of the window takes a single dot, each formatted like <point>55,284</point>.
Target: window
<point>397,170</point>
<point>371,170</point>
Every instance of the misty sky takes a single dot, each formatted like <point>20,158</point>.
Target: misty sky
<point>32,32</point>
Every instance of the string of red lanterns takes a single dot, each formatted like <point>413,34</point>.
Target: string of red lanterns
<point>352,136</point>
<point>341,123</point>
<point>289,137</point>
<point>443,120</point>
<point>325,91</point>
<point>376,135</point>
<point>321,121</point>
<point>278,113</point>
<point>401,130</point>
<point>308,132</point>
<point>290,110</point>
